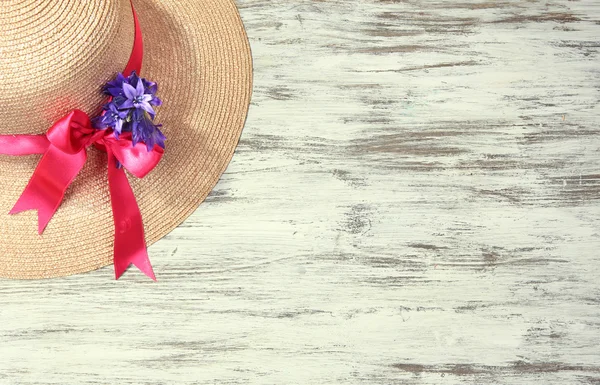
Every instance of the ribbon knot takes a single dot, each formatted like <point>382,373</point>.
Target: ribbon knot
<point>73,133</point>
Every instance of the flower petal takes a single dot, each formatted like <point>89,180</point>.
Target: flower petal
<point>148,108</point>
<point>159,137</point>
<point>139,87</point>
<point>129,91</point>
<point>126,104</point>
<point>98,123</point>
<point>133,78</point>
<point>135,137</point>
<point>126,126</point>
<point>150,86</point>
<point>149,143</point>
<point>137,115</point>
<point>156,101</point>
<point>114,91</point>
<point>118,125</point>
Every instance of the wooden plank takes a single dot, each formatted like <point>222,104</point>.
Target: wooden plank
<point>414,201</point>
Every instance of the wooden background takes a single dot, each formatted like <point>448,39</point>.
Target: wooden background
<point>415,200</point>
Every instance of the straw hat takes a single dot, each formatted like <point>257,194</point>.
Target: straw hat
<point>55,56</point>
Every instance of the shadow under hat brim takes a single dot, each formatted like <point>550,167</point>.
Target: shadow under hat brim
<point>198,53</point>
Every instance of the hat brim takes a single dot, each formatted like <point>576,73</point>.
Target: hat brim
<point>198,53</point>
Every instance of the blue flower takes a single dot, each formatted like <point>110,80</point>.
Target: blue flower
<point>144,130</point>
<point>115,88</point>
<point>125,90</point>
<point>150,88</point>
<point>137,98</point>
<point>131,110</point>
<point>112,118</point>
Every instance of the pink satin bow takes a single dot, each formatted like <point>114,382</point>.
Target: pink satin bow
<point>64,148</point>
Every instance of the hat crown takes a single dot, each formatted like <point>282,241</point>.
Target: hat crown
<point>56,55</point>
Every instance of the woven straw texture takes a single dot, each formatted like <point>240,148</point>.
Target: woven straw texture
<point>55,55</point>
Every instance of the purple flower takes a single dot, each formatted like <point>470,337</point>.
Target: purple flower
<point>150,87</point>
<point>115,88</point>
<point>144,130</point>
<point>137,98</point>
<point>131,110</point>
<point>112,118</point>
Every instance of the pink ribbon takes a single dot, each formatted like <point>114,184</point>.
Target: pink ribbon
<point>64,148</point>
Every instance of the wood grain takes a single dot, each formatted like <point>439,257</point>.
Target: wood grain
<point>415,200</point>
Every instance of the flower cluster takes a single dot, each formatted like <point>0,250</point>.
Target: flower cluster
<point>131,110</point>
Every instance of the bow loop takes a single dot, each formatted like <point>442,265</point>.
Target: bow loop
<point>72,133</point>
<point>64,156</point>
<point>135,158</point>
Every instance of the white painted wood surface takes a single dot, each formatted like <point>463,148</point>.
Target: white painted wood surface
<point>415,200</point>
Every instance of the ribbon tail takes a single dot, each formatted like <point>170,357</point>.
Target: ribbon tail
<point>23,144</point>
<point>48,185</point>
<point>130,243</point>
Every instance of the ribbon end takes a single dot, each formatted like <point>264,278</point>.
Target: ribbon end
<point>141,262</point>
<point>145,267</point>
<point>149,272</point>
<point>46,188</point>
<point>119,271</point>
<point>43,216</point>
<point>21,206</point>
<point>42,222</point>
